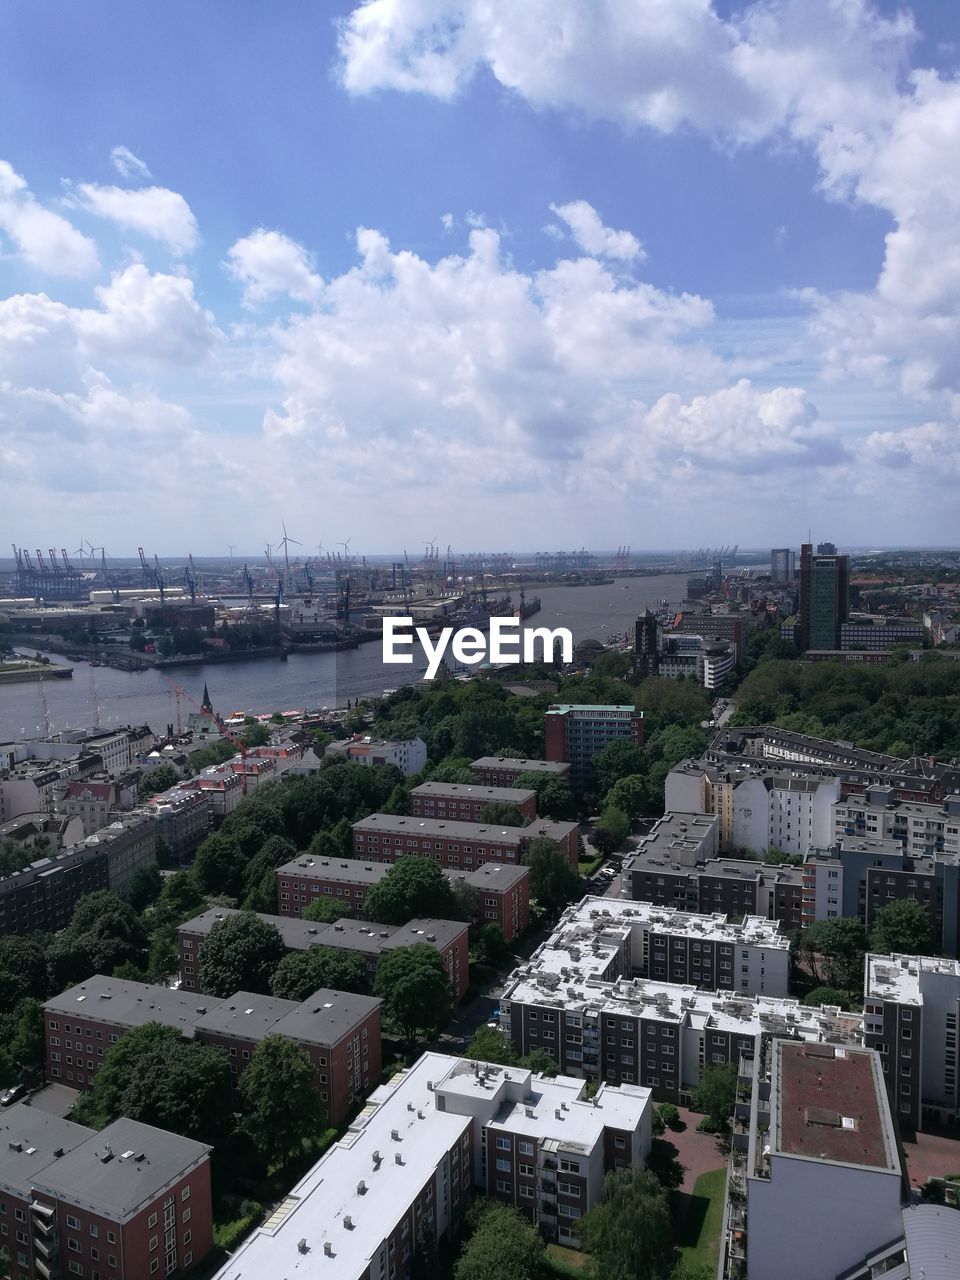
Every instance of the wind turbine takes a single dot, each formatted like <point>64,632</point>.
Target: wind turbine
<point>285,542</point>
<point>230,547</point>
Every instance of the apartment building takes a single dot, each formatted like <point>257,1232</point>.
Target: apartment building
<point>57,830</point>
<point>816,1185</point>
<point>183,819</point>
<point>223,787</point>
<point>128,1202</point>
<point>501,890</point>
<point>43,896</point>
<point>371,940</point>
<point>130,843</point>
<point>464,803</point>
<point>339,1031</point>
<point>921,829</point>
<point>93,802</point>
<point>459,846</point>
<point>576,732</point>
<point>426,1139</point>
<point>704,658</point>
<point>911,1011</point>
<point>503,771</point>
<point>408,754</point>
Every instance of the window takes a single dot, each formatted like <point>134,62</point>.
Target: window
<point>503,1165</point>
<point>503,1185</point>
<point>503,1144</point>
<point>526,1170</point>
<point>525,1148</point>
<point>154,1265</point>
<point>71,1220</point>
<point>152,1220</point>
<point>154,1241</point>
<point>185,1193</point>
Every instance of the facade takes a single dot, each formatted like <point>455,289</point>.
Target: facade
<point>817,1141</point>
<point>130,843</point>
<point>824,599</point>
<point>575,732</point>
<point>43,896</point>
<point>698,657</point>
<point>92,802</point>
<point>457,846</point>
<point>911,1012</point>
<point>465,803</point>
<point>726,626</point>
<point>372,940</point>
<point>646,644</point>
<point>863,631</point>
<point>783,566</point>
<point>503,771</point>
<point>128,1202</point>
<point>339,1031</point>
<point>501,890</point>
<point>426,1139</point>
<point>183,820</point>
<point>409,755</point>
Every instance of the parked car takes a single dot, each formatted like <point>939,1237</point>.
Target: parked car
<point>13,1094</point>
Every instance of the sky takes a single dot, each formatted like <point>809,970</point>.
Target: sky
<point>486,273</point>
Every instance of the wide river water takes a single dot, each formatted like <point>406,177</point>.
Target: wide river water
<point>305,680</point>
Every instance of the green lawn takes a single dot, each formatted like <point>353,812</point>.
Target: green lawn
<point>700,1219</point>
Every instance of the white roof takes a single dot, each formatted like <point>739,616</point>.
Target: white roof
<point>900,978</point>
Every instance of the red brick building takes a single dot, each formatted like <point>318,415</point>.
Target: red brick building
<point>372,940</point>
<point>457,846</point>
<point>462,803</point>
<point>502,890</point>
<point>339,1031</point>
<point>503,771</point>
<point>127,1203</point>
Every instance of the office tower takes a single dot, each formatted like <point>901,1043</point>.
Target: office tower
<point>783,565</point>
<point>826,548</point>
<point>646,644</point>
<point>824,598</point>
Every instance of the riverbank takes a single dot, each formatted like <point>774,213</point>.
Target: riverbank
<point>18,672</point>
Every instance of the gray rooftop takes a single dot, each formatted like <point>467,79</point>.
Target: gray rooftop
<point>353,871</point>
<point>351,935</point>
<point>28,1140</point>
<point>476,791</point>
<point>127,1003</point>
<point>932,1233</point>
<point>558,768</point>
<point>448,829</point>
<point>245,1015</point>
<point>326,1016</point>
<point>117,1171</point>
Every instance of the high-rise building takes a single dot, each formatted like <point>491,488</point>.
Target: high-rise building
<point>575,732</point>
<point>824,598</point>
<point>646,644</point>
<point>826,548</point>
<point>783,565</point>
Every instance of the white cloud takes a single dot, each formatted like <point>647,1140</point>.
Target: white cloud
<point>44,239</point>
<point>447,220</point>
<point>153,211</point>
<point>147,318</point>
<point>593,237</point>
<point>268,263</point>
<point>128,165</point>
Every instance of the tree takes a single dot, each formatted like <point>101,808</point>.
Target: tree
<point>241,954</point>
<point>716,1093</point>
<point>616,824</point>
<point>156,1076</point>
<point>145,887</point>
<point>540,1063</point>
<point>629,1232</point>
<point>328,910</point>
<point>282,1104</point>
<point>490,1045</point>
<point>553,882</point>
<point>629,795</point>
<point>413,888</point>
<point>301,973</point>
<point>219,865</point>
<point>413,985</point>
<point>161,778</point>
<point>825,995</point>
<point>499,814</point>
<point>664,1163</point>
<point>504,1246</point>
<point>180,894</point>
<point>619,759</point>
<point>555,800</point>
<point>492,947</point>
<point>104,933</point>
<point>840,945</point>
<point>23,969</point>
<point>26,1042</point>
<point>903,928</point>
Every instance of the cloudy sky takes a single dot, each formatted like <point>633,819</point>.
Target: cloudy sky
<point>504,273</point>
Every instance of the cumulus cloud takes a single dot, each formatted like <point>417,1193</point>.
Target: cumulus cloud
<point>128,165</point>
<point>152,211</point>
<point>43,239</point>
<point>587,229</point>
<point>268,264</point>
<point>144,316</point>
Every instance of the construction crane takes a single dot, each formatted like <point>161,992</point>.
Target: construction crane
<point>161,585</point>
<point>211,715</point>
<point>191,583</point>
<point>249,581</point>
<point>144,568</point>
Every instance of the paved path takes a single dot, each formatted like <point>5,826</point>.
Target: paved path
<point>697,1152</point>
<point>931,1155</point>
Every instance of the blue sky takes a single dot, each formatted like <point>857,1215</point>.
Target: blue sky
<point>666,273</point>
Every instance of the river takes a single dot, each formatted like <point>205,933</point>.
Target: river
<point>307,680</point>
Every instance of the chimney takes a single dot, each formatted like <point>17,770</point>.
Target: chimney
<point>328,1248</point>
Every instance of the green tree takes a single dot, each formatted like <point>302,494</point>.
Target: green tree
<point>180,894</point>
<point>492,947</point>
<point>104,933</point>
<point>825,995</point>
<point>619,759</point>
<point>413,985</point>
<point>328,910</point>
<point>553,882</point>
<point>161,778</point>
<point>241,953</point>
<point>629,795</point>
<point>301,973</point>
<point>491,1045</point>
<point>833,950</point>
<point>616,824</point>
<point>145,887</point>
<point>504,1246</point>
<point>26,1042</point>
<point>716,1093</point>
<point>629,1232</point>
<point>413,888</point>
<point>540,1063</point>
<point>281,1103</point>
<point>23,969</point>
<point>500,814</point>
<point>220,864</point>
<point>664,1163</point>
<point>555,800</point>
<point>903,928</point>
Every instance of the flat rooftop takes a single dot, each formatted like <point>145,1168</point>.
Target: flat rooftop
<point>447,829</point>
<point>354,935</point>
<point>559,768</point>
<point>476,791</point>
<point>830,1103</point>
<point>29,1139</point>
<point>501,875</point>
<point>323,1018</point>
<point>128,1004</point>
<point>901,978</point>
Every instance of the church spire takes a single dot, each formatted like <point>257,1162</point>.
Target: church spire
<point>206,704</point>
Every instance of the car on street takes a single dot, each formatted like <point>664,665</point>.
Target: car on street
<point>13,1094</point>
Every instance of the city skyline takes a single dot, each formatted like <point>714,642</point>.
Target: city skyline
<point>407,267</point>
